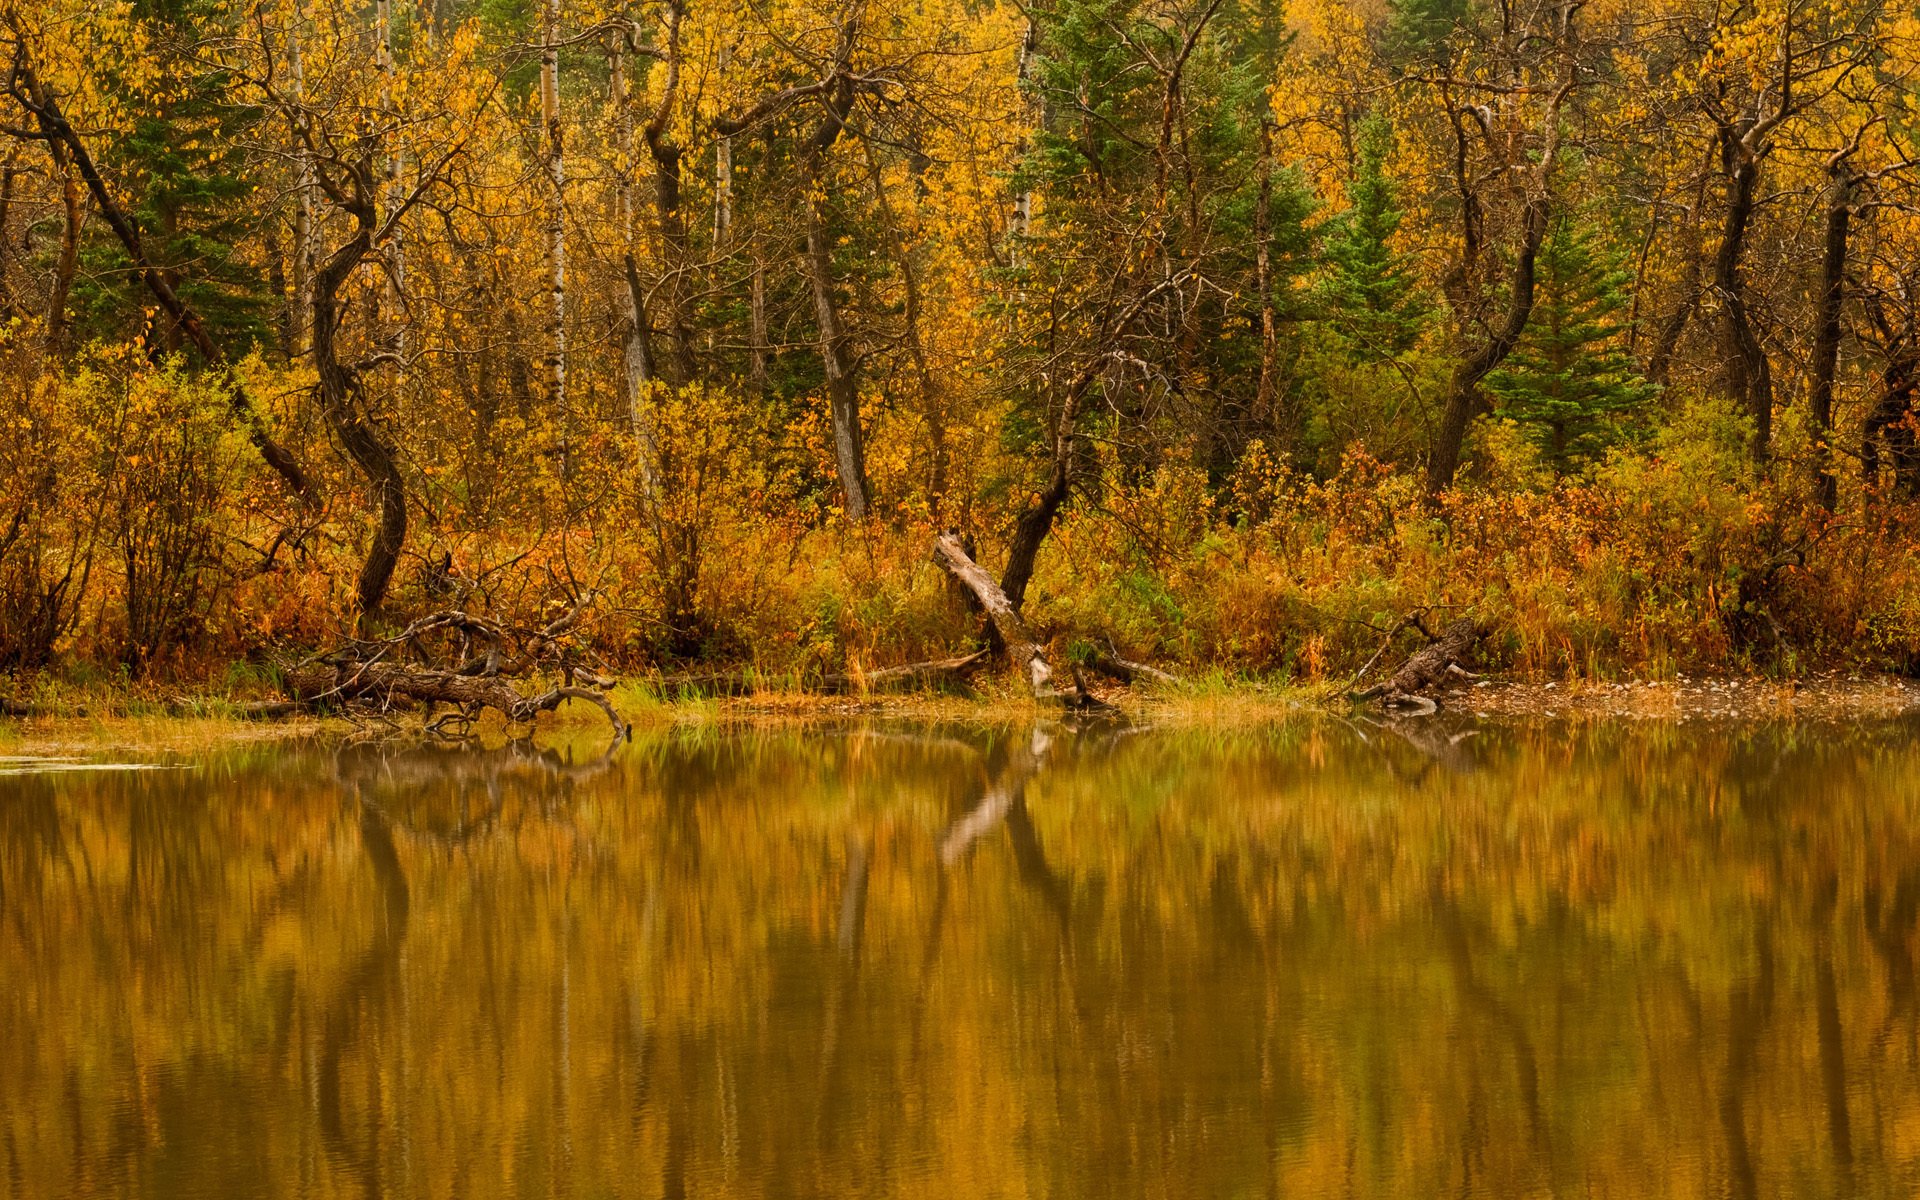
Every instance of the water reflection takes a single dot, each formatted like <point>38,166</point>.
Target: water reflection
<point>1314,959</point>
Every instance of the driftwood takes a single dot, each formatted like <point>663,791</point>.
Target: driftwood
<point>459,659</point>
<point>1433,668</point>
<point>1122,670</point>
<point>1024,652</point>
<point>912,675</point>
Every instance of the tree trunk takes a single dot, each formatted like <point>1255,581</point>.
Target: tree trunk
<point>1748,375</point>
<point>68,263</point>
<point>757,328</point>
<point>8,173</point>
<point>396,283</point>
<point>1463,389</point>
<point>843,388</point>
<point>300,311</point>
<point>1023,652</point>
<point>1826,343</point>
<point>723,172</point>
<point>1263,267</point>
<point>343,404</point>
<point>677,369</point>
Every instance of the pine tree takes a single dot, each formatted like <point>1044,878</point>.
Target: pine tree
<point>184,164</point>
<point>1569,380</point>
<point>1418,29</point>
<point>1370,294</point>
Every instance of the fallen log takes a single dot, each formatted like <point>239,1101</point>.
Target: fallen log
<point>487,656</point>
<point>386,686</point>
<point>1023,652</point>
<point>1126,671</point>
<point>909,676</point>
<point>1433,668</point>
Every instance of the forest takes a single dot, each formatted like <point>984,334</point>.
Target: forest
<point>1213,334</point>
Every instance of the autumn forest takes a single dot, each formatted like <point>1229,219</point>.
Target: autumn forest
<point>1213,334</point>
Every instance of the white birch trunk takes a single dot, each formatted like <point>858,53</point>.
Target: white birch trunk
<point>556,221</point>
<point>396,253</point>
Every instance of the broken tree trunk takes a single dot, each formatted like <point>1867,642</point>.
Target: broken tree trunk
<point>1023,652</point>
<point>1432,668</point>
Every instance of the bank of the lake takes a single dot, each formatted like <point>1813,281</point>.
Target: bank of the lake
<point>69,719</point>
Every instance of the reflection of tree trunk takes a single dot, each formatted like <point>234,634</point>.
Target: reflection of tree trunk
<point>1889,932</point>
<point>1749,1003</point>
<point>1833,1051</point>
<point>844,988</point>
<point>1035,871</point>
<point>1479,997</point>
<point>361,993</point>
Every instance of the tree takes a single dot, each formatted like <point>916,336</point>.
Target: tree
<point>1371,293</point>
<point>1570,379</point>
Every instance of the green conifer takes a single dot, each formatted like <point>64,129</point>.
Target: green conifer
<point>1570,380</point>
<point>1371,294</point>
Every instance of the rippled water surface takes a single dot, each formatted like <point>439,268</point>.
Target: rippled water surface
<point>1316,959</point>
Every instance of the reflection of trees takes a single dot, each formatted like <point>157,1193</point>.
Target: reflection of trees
<point>1477,997</point>
<point>1220,963</point>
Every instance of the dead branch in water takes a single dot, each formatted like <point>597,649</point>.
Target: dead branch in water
<point>462,660</point>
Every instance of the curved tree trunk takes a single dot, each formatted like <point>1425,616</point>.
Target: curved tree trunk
<point>343,404</point>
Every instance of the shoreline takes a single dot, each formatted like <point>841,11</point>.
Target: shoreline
<point>188,721</point>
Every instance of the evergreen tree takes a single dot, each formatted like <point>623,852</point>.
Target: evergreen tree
<point>1371,294</point>
<point>1569,380</point>
<point>1418,29</point>
<point>184,164</point>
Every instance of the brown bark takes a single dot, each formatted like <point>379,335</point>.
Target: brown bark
<point>343,402</point>
<point>383,683</point>
<point>1747,373</point>
<point>1431,668</point>
<point>68,264</point>
<point>1463,388</point>
<point>1826,343</point>
<point>843,385</point>
<point>1263,267</point>
<point>677,369</point>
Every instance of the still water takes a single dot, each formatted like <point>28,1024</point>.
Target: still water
<point>1313,959</point>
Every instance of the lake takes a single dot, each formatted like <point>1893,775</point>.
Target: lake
<point>1316,958</point>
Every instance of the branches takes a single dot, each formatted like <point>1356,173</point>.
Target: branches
<point>457,658</point>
